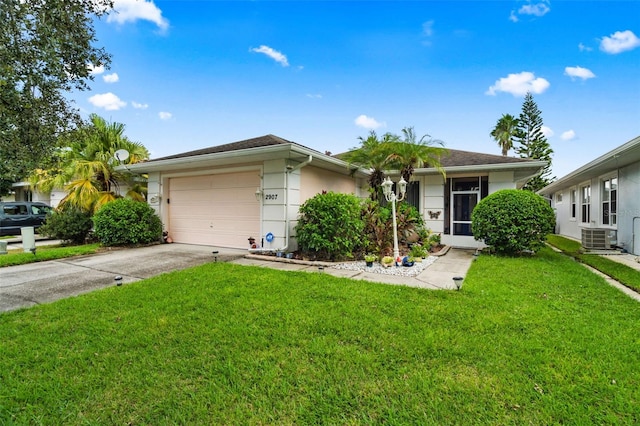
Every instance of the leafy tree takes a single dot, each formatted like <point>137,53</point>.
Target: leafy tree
<point>505,131</point>
<point>87,166</point>
<point>512,221</point>
<point>531,143</point>
<point>411,153</point>
<point>372,154</point>
<point>45,49</point>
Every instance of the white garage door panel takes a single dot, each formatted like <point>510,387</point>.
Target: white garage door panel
<point>218,210</point>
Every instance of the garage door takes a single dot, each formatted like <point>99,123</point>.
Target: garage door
<point>217,210</point>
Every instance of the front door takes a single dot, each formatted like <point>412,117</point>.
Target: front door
<point>463,205</point>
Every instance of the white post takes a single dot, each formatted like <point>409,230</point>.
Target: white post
<point>392,197</point>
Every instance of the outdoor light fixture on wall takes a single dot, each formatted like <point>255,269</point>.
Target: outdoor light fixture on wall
<point>258,194</point>
<point>392,197</point>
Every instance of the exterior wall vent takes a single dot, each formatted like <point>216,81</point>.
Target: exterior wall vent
<point>598,239</point>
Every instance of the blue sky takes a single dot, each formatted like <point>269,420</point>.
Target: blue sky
<point>191,74</point>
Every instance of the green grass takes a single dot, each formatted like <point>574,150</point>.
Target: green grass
<point>618,271</point>
<point>19,257</point>
<point>526,341</point>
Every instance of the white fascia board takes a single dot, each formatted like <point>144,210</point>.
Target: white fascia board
<point>534,166</point>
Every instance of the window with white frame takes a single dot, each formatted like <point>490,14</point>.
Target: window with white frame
<point>572,200</point>
<point>585,204</point>
<point>558,197</point>
<point>609,201</point>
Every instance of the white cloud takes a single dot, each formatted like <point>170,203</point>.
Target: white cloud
<point>272,53</point>
<point>579,72</point>
<point>427,28</point>
<point>532,9</point>
<point>519,84</point>
<point>108,101</point>
<point>314,96</point>
<point>546,131</point>
<point>136,105</point>
<point>367,122</point>
<point>583,48</point>
<point>133,10</point>
<point>537,9</point>
<point>619,42</point>
<point>111,78</point>
<point>568,135</point>
<point>95,70</point>
<point>164,115</point>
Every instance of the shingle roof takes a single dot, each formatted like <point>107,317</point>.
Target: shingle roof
<point>452,159</point>
<point>468,158</point>
<point>261,141</point>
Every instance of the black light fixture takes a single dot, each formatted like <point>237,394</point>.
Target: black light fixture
<point>118,279</point>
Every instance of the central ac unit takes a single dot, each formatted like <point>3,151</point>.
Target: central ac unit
<point>598,239</point>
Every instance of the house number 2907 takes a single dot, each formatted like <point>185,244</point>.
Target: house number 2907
<point>271,196</point>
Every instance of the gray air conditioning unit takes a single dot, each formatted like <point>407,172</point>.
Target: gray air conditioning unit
<point>598,239</point>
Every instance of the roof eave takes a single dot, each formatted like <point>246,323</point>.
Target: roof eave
<point>257,154</point>
<point>621,156</point>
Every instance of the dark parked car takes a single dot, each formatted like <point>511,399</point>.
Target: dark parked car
<point>17,214</point>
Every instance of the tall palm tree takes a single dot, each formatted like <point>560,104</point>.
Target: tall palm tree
<point>411,153</point>
<point>505,131</point>
<point>87,166</point>
<point>372,154</point>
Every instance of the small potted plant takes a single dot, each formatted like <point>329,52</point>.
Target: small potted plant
<point>418,252</point>
<point>370,258</point>
<point>387,261</point>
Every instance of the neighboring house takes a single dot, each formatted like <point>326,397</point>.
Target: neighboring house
<point>223,195</point>
<point>23,192</point>
<point>599,203</point>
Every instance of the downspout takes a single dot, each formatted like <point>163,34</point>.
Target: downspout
<point>288,170</point>
<point>633,234</point>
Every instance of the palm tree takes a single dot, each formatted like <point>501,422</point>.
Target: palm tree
<point>372,154</point>
<point>87,166</point>
<point>505,131</point>
<point>411,153</point>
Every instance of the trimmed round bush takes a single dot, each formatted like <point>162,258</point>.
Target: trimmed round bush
<point>69,224</point>
<point>126,222</point>
<point>512,221</point>
<point>330,226</point>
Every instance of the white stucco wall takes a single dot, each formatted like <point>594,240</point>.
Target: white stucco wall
<point>629,208</point>
<point>433,211</point>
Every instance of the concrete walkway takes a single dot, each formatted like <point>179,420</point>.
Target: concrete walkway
<point>437,276</point>
<point>43,282</point>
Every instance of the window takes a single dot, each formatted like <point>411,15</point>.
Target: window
<point>411,197</point>
<point>585,204</point>
<point>609,201</point>
<point>15,210</point>
<point>572,200</point>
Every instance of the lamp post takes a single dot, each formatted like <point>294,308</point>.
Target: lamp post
<point>392,197</point>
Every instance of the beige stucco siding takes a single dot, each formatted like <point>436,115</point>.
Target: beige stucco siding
<point>314,180</point>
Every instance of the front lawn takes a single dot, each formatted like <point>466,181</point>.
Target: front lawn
<point>526,341</point>
<point>19,257</point>
<point>616,270</point>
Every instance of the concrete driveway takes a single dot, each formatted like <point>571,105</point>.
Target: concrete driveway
<point>43,282</point>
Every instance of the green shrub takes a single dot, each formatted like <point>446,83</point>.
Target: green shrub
<point>512,221</point>
<point>330,226</point>
<point>71,225</point>
<point>127,222</point>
